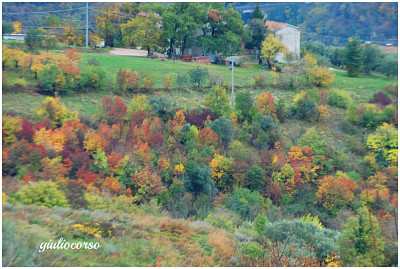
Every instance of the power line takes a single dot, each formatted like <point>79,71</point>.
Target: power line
<point>343,38</point>
<point>39,12</point>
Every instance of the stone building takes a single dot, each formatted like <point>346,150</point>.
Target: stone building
<point>288,34</point>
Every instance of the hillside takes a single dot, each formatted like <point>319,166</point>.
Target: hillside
<point>148,157</point>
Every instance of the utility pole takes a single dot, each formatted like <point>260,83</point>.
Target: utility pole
<point>233,90</point>
<point>87,24</point>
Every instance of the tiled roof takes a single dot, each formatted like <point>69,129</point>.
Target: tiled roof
<point>274,25</point>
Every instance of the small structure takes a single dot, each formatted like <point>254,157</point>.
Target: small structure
<point>288,34</point>
<point>100,44</point>
<point>14,37</point>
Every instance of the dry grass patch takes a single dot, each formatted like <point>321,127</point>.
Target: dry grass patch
<point>220,239</point>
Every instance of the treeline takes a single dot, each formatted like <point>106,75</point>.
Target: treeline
<point>356,57</point>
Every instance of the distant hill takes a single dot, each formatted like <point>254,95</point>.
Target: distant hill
<point>369,21</point>
<point>331,23</point>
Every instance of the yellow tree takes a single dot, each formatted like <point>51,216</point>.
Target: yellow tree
<point>106,22</point>
<point>6,57</point>
<point>17,27</point>
<point>217,100</point>
<point>265,104</point>
<point>142,31</point>
<point>270,47</point>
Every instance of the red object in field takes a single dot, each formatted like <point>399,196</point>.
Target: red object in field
<point>187,58</point>
<point>202,59</point>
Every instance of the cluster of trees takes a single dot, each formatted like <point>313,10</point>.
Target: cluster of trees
<point>227,165</point>
<point>60,74</point>
<point>356,57</point>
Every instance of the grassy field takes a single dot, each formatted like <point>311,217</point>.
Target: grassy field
<point>136,240</point>
<point>22,103</point>
<point>158,69</point>
<point>361,88</point>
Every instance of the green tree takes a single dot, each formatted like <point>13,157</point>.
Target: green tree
<point>389,65</point>
<point>257,13</point>
<point>313,140</point>
<point>354,58</point>
<point>7,27</point>
<point>180,23</point>
<point>224,129</point>
<point>357,242</point>
<point>34,38</point>
<point>223,30</point>
<point>245,202</point>
<point>142,31</point>
<point>198,179</point>
<point>372,57</point>
<point>198,76</point>
<point>270,47</point>
<point>217,100</point>
<point>243,105</point>
<point>259,223</point>
<point>255,178</point>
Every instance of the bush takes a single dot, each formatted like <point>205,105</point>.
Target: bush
<point>321,76</point>
<point>93,78</point>
<point>20,82</point>
<point>198,76</point>
<point>305,108</point>
<point>198,117</point>
<point>339,98</point>
<point>48,80</point>
<point>245,202</point>
<point>299,234</point>
<point>253,249</point>
<point>43,193</point>
<point>126,81</point>
<point>381,99</point>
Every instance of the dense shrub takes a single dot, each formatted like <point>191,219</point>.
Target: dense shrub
<point>245,202</point>
<point>43,193</point>
<point>93,78</point>
<point>198,117</point>
<point>339,98</point>
<point>300,234</point>
<point>305,108</point>
<point>321,76</point>
<point>381,99</point>
<point>126,81</point>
